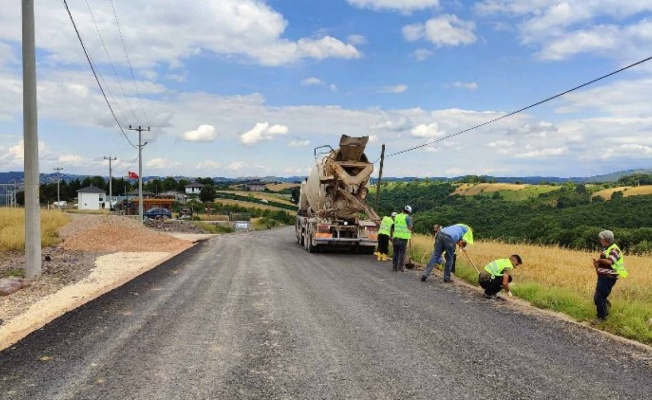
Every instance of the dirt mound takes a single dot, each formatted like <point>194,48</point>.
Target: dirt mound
<point>116,233</point>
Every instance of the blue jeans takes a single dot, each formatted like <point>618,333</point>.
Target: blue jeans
<point>444,243</point>
<point>398,260</point>
<point>602,291</point>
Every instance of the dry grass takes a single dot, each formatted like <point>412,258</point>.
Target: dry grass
<point>564,280</point>
<point>627,191</point>
<point>280,186</point>
<point>12,228</point>
<point>249,205</point>
<point>467,189</point>
<point>258,195</point>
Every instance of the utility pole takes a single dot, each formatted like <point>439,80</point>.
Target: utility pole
<point>58,169</point>
<point>30,139</point>
<point>380,176</point>
<point>140,169</point>
<point>110,182</point>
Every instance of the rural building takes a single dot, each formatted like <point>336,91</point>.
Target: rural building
<point>91,198</point>
<point>254,186</point>
<point>194,188</point>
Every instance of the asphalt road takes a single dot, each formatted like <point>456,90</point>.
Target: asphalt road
<point>254,316</point>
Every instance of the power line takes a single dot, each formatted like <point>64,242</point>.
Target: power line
<point>108,56</point>
<point>133,76</point>
<point>65,3</point>
<point>520,110</point>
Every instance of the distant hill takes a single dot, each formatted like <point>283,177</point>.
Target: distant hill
<point>9,177</point>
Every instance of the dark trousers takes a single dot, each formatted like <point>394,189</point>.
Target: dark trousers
<point>602,291</point>
<point>398,261</point>
<point>491,286</point>
<point>383,243</point>
<point>443,243</point>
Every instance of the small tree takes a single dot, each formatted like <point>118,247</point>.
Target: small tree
<point>207,194</point>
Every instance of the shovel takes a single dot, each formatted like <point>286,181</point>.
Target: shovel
<point>409,264</point>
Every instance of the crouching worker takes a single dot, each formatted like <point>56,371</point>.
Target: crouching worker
<point>497,275</point>
<point>384,233</point>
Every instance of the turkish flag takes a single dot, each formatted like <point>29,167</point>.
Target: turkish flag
<point>133,175</point>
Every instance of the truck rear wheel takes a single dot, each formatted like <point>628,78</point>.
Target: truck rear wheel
<point>309,246</point>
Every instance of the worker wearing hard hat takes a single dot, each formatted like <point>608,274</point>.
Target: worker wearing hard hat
<point>459,234</point>
<point>384,233</point>
<point>402,234</point>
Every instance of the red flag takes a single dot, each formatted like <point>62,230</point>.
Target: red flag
<point>133,175</point>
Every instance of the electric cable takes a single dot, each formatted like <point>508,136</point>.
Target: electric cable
<point>519,110</point>
<point>65,3</point>
<point>108,56</point>
<point>133,76</point>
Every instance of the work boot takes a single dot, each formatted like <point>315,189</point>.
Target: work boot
<point>423,278</point>
<point>376,253</point>
<point>379,257</point>
<point>385,257</point>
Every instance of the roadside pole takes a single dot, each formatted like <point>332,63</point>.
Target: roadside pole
<point>30,138</point>
<point>110,181</point>
<point>58,169</point>
<point>140,169</point>
<point>380,176</point>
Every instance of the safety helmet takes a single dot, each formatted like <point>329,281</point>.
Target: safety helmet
<point>408,209</point>
<point>393,214</point>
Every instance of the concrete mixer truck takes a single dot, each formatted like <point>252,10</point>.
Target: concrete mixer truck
<point>332,209</point>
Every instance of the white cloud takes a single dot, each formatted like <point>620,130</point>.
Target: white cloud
<point>427,131</point>
<point>562,29</point>
<point>628,150</point>
<point>394,89</point>
<point>262,131</point>
<point>465,85</point>
<point>208,164</point>
<point>422,54</point>
<point>332,87</point>
<point>543,153</point>
<point>444,30</point>
<point>237,165</point>
<point>298,143</point>
<point>312,81</point>
<point>249,29</point>
<point>400,124</point>
<point>71,159</point>
<point>161,163</point>
<point>404,6</point>
<point>205,133</point>
<point>357,39</point>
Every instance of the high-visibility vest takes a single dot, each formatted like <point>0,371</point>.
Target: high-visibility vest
<point>619,265</point>
<point>386,226</point>
<point>468,235</point>
<point>401,230</point>
<point>496,267</point>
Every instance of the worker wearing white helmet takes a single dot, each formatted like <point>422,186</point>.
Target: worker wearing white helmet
<point>402,234</point>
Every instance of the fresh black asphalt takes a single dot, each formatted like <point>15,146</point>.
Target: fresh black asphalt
<point>254,316</point>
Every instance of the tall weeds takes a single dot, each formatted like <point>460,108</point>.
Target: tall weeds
<point>12,228</point>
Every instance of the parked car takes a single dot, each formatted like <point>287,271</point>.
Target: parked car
<point>157,212</point>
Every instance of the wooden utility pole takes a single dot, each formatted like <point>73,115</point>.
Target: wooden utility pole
<point>380,175</point>
<point>30,140</point>
<point>140,169</point>
<point>110,181</point>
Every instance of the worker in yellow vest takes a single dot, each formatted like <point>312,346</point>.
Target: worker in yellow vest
<point>384,233</point>
<point>609,267</point>
<point>497,276</point>
<point>402,234</point>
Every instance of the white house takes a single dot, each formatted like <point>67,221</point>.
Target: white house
<point>194,188</point>
<point>91,198</point>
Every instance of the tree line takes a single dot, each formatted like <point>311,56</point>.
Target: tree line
<point>568,217</point>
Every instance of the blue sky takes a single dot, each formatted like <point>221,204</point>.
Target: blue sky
<point>249,87</point>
